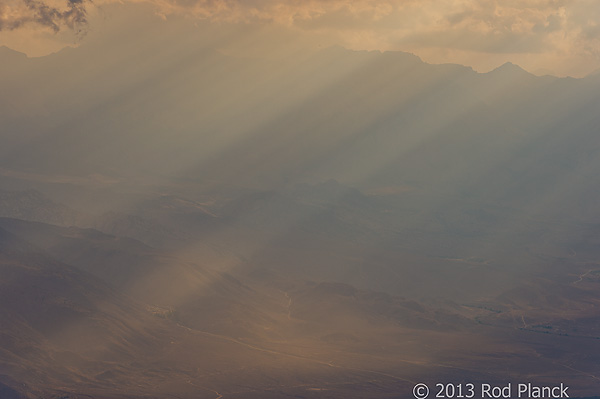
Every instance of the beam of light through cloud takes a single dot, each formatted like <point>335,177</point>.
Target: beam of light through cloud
<point>243,93</point>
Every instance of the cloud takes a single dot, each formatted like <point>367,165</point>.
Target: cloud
<point>509,26</point>
<point>477,25</point>
<point>15,15</point>
<point>557,29</point>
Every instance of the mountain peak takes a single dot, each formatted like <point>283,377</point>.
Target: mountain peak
<point>7,52</point>
<point>390,54</point>
<point>509,67</point>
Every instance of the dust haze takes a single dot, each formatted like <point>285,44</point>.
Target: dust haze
<point>179,218</point>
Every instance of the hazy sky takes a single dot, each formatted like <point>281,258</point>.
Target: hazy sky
<point>562,36</point>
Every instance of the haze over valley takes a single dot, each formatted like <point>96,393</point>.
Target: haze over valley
<point>181,218</point>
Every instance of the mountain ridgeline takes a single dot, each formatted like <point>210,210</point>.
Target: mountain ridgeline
<point>178,222</point>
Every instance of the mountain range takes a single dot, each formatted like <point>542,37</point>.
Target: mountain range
<point>178,222</point>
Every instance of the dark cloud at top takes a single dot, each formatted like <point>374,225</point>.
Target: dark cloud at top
<point>74,16</point>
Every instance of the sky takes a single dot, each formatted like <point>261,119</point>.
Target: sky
<point>561,37</point>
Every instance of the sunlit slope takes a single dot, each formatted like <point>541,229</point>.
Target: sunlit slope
<point>64,332</point>
<point>67,332</point>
